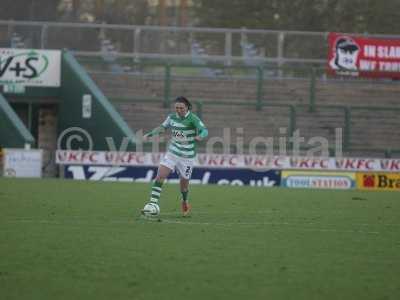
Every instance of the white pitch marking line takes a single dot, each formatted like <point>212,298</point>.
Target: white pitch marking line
<point>269,224</point>
<point>75,220</point>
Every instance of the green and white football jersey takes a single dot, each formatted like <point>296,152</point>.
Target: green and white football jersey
<point>184,130</point>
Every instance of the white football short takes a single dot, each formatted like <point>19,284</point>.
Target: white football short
<point>183,166</point>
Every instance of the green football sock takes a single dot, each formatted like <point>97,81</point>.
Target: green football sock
<point>156,191</point>
<point>184,195</point>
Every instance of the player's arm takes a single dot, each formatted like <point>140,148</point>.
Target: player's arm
<point>155,131</point>
<point>201,129</point>
<point>159,129</point>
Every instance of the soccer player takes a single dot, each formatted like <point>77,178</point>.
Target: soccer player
<point>187,129</point>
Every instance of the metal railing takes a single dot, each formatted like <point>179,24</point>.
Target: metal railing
<point>222,45</point>
<point>140,42</point>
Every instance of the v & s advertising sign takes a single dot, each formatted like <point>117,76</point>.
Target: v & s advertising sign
<point>28,67</point>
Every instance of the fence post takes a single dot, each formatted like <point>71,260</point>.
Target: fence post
<point>167,85</point>
<point>136,44</point>
<point>228,48</point>
<point>312,90</point>
<point>347,128</point>
<point>43,37</point>
<point>292,122</point>
<point>10,29</point>
<point>260,81</point>
<point>30,116</point>
<point>199,109</point>
<point>280,51</point>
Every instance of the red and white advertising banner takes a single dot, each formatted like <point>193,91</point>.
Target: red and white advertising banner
<point>256,162</point>
<point>364,57</point>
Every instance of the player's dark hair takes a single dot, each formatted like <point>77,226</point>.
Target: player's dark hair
<point>185,101</point>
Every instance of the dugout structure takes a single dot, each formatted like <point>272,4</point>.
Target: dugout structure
<point>75,115</point>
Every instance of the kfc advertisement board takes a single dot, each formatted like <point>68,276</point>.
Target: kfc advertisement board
<point>232,161</point>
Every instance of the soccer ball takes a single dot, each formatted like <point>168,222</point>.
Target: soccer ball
<point>151,209</point>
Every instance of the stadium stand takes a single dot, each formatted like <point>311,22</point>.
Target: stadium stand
<point>261,99</point>
<point>361,108</point>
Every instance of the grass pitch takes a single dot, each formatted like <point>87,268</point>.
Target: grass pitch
<point>83,240</point>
